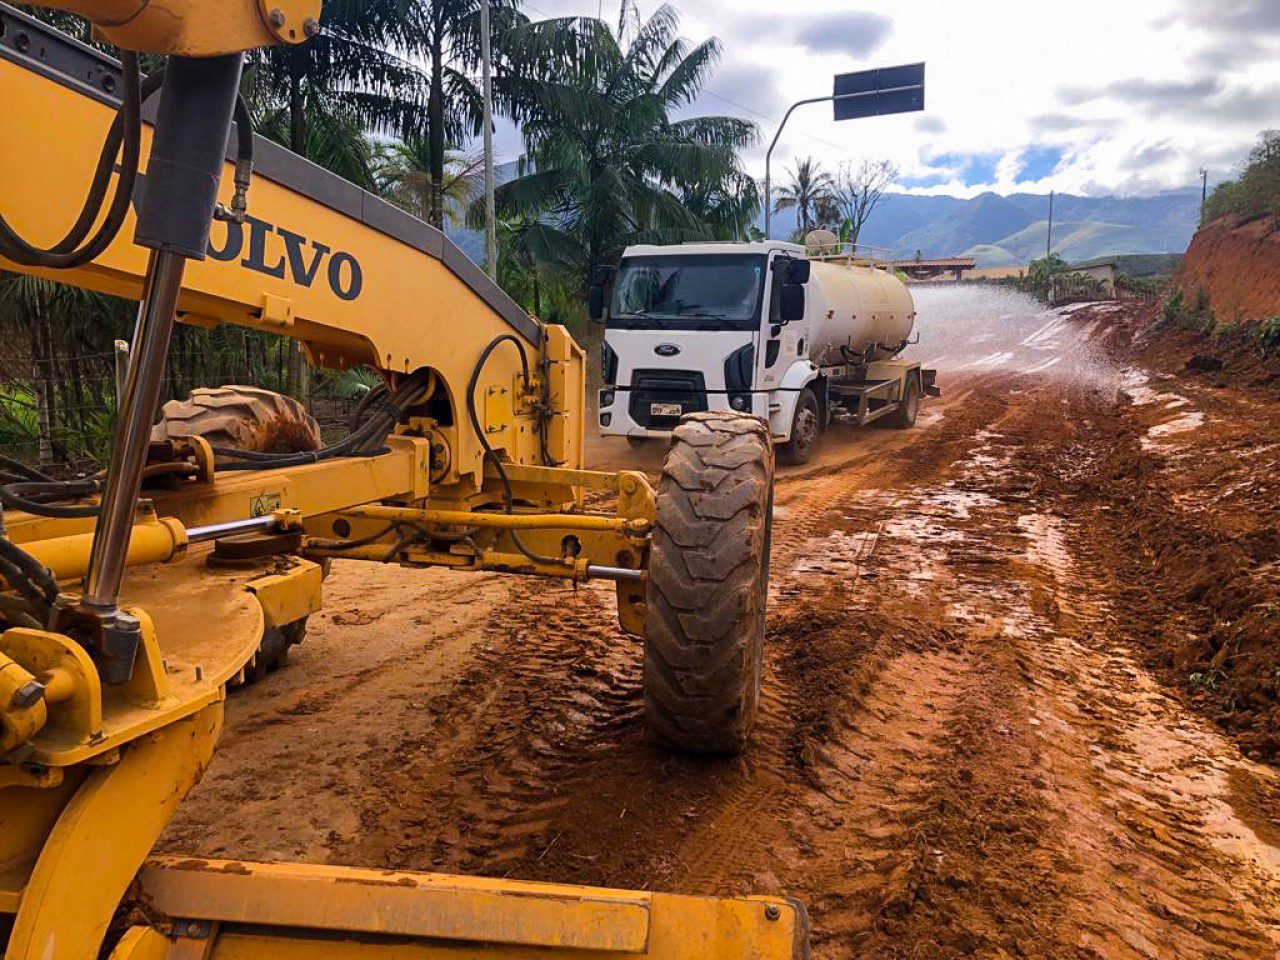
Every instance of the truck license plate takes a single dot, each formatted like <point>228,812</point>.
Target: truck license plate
<point>665,409</point>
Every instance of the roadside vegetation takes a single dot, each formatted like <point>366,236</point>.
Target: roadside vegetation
<point>1256,192</point>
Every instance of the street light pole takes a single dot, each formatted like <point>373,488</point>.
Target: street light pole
<point>768,160</point>
<point>490,203</point>
<point>898,98</point>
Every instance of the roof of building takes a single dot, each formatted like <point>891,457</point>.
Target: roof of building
<point>967,263</point>
<point>1089,265</point>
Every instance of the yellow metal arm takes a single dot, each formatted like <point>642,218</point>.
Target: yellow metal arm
<point>197,28</point>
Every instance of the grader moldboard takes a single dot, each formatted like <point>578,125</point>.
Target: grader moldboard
<point>133,600</point>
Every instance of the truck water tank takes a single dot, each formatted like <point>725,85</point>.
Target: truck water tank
<point>864,309</point>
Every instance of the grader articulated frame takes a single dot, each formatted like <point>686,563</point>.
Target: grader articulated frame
<point>121,628</point>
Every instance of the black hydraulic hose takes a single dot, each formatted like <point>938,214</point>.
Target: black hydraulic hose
<point>377,393</point>
<point>32,569</point>
<point>31,579</point>
<point>26,471</point>
<point>41,499</point>
<point>489,453</point>
<point>126,129</point>
<point>368,440</point>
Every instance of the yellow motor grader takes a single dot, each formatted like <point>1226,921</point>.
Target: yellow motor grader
<point>132,600</point>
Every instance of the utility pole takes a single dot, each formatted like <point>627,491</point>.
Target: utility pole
<point>1204,192</point>
<point>490,203</point>
<point>1048,243</point>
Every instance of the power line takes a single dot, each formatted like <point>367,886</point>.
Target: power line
<point>773,120</point>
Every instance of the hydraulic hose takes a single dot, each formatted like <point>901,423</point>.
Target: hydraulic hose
<point>489,453</point>
<point>126,129</point>
<point>72,250</point>
<point>367,439</point>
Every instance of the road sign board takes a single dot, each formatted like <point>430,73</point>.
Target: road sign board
<point>876,93</point>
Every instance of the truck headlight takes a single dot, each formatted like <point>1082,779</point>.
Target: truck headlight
<point>606,399</point>
<point>606,419</point>
<point>740,404</point>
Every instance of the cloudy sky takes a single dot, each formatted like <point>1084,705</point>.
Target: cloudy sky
<point>1093,97</point>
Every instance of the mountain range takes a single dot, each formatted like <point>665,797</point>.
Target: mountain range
<point>1010,230</point>
<point>999,231</point>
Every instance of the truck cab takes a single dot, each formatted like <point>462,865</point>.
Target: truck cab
<point>732,326</point>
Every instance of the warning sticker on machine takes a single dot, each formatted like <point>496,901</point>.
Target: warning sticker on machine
<point>264,504</point>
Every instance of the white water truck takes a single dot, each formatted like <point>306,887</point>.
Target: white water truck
<point>788,333</point>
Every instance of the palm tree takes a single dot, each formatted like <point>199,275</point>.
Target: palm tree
<point>532,257</point>
<point>606,163</point>
<point>410,182</point>
<point>358,63</point>
<point>446,33</point>
<point>811,193</point>
<point>333,137</point>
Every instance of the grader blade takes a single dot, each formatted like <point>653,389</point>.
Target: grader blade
<point>231,909</point>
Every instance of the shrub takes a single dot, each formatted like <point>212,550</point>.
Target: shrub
<point>1268,334</point>
<point>1256,192</point>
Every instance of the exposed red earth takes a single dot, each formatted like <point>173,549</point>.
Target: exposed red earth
<point>1020,695</point>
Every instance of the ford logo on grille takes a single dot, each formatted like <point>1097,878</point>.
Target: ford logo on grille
<point>666,350</point>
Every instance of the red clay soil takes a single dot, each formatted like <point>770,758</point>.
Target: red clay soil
<point>1237,263</point>
<point>1199,542</point>
<point>978,735</point>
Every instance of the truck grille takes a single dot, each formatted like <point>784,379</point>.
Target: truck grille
<point>648,387</point>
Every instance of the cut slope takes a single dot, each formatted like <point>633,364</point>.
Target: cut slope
<point>1237,263</point>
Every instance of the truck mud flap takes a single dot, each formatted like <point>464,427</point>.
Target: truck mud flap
<point>927,378</point>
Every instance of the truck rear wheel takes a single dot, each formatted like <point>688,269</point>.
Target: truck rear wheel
<point>708,581</point>
<point>806,428</point>
<point>246,418</point>
<point>904,418</point>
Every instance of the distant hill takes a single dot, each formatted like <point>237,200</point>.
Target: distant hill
<point>999,231</point>
<point>1007,230</point>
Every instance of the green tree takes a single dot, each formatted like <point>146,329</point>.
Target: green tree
<point>1256,192</point>
<point>409,179</point>
<point>607,163</point>
<point>447,36</point>
<point>810,192</point>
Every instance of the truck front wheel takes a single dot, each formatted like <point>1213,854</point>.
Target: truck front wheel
<point>806,428</point>
<point>708,581</point>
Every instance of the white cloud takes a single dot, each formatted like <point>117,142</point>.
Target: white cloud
<point>1137,96</point>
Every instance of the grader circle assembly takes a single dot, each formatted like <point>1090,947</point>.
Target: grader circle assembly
<point>133,600</point>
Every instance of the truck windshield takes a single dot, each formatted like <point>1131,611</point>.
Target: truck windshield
<point>698,292</point>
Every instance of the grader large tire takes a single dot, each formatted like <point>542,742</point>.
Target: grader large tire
<point>708,580</point>
<point>246,418</point>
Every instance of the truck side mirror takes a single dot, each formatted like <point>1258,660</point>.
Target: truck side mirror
<point>799,271</point>
<point>791,304</point>
<point>600,278</point>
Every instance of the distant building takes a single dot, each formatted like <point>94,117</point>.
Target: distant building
<point>943,268</point>
<point>1068,283</point>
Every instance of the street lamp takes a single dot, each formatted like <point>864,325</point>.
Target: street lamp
<point>867,93</point>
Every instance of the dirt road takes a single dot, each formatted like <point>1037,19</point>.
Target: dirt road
<point>978,735</point>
